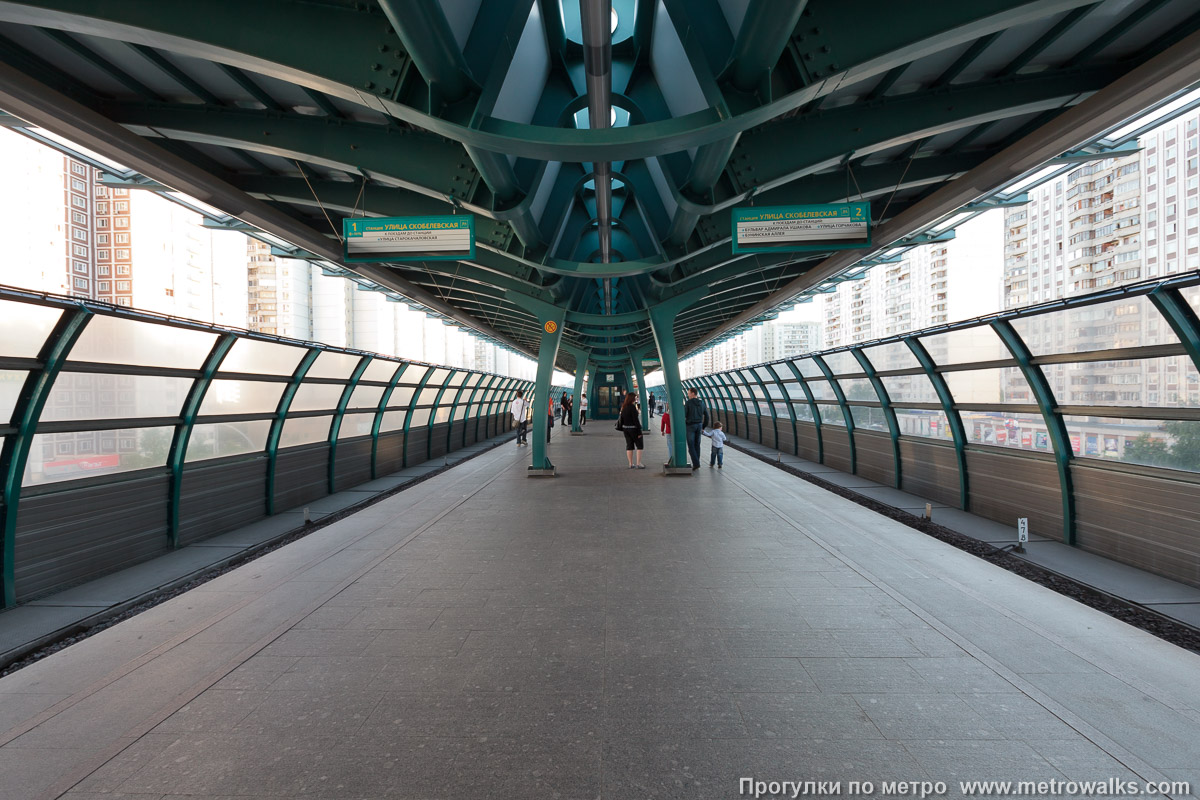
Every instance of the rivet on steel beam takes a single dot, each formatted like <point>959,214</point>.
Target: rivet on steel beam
<point>369,85</point>
<point>383,48</point>
<point>376,67</point>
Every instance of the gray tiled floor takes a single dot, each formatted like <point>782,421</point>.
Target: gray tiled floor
<point>610,633</point>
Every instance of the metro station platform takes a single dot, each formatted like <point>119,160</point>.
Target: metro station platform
<point>610,633</point>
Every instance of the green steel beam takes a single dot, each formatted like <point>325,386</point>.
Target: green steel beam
<point>764,35</point>
<point>551,320</point>
<point>412,406</point>
<point>841,401</point>
<point>662,326</point>
<point>885,402</point>
<point>335,425</point>
<point>281,412</point>
<point>475,390</point>
<point>368,66</point>
<point>1182,319</point>
<point>437,404</point>
<point>183,432</point>
<point>786,399</point>
<point>15,454</point>
<point>1055,425</point>
<point>957,431</point>
<point>812,407</point>
<point>430,43</point>
<point>751,400</point>
<point>379,412</point>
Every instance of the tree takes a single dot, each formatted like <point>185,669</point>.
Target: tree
<point>1148,450</point>
<point>1185,444</point>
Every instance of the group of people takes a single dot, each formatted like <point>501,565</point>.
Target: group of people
<point>629,422</point>
<point>521,410</point>
<point>695,417</point>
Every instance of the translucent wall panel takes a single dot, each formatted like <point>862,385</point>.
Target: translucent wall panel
<point>114,340</point>
<point>356,425</point>
<point>831,415</point>
<point>886,357</point>
<point>24,328</point>
<point>869,417</point>
<point>858,389</point>
<point>367,396</point>
<point>305,430</point>
<point>241,397</point>
<point>965,346</point>
<point>413,374</point>
<point>262,358</point>
<point>82,396</point>
<point>821,390</point>
<point>459,379</point>
<point>11,383</point>
<point>438,377</point>
<point>795,391</point>
<point>427,397</point>
<point>1170,382</point>
<point>333,365</point>
<point>380,370</point>
<point>843,363</point>
<point>764,374</point>
<point>910,389</point>
<point>58,457</point>
<point>214,440</point>
<point>401,397</point>
<point>441,414</point>
<point>1174,444</point>
<point>808,368</point>
<point>392,421</point>
<point>317,397</point>
<point>1005,429</point>
<point>921,422</point>
<point>803,412</point>
<point>420,417</point>
<point>1004,385</point>
<point>1129,322</point>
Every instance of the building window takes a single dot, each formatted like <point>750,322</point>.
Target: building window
<point>80,250</point>
<point>78,218</point>
<point>102,269</point>
<point>81,266</point>
<point>102,238</point>
<point>79,202</point>
<point>124,301</point>
<point>78,185</point>
<point>81,283</point>
<point>102,223</point>
<point>101,207</point>
<point>78,169</point>
<point>102,255</point>
<point>122,269</point>
<point>121,206</point>
<point>81,235</point>
<point>122,222</point>
<point>122,254</point>
<point>122,238</point>
<point>122,286</point>
<point>103,286</point>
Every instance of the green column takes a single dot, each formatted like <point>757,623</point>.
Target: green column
<point>740,374</point>
<point>787,401</point>
<point>662,327</point>
<point>379,412</point>
<point>281,412</point>
<point>841,400</point>
<point>952,418</point>
<point>183,431</point>
<point>466,415</point>
<point>635,360</point>
<point>885,403</point>
<point>437,403</point>
<point>812,406</point>
<point>1182,319</point>
<point>1057,428</point>
<point>335,425</point>
<point>550,320</point>
<point>582,362</point>
<point>15,454</point>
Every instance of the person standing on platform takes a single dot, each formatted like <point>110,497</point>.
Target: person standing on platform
<point>520,412</point>
<point>664,429</point>
<point>717,456</point>
<point>549,419</point>
<point>650,403</point>
<point>631,426</point>
<point>695,417</point>
<point>567,405</point>
<point>583,409</point>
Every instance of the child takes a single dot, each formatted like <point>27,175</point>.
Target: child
<point>718,445</point>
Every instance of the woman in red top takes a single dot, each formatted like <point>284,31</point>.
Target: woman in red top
<point>664,429</point>
<point>550,419</point>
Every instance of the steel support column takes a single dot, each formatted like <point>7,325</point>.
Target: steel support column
<point>812,406</point>
<point>15,454</point>
<point>379,412</point>
<point>183,432</point>
<point>281,412</point>
<point>885,403</point>
<point>1057,428</point>
<point>787,401</point>
<point>1182,319</point>
<point>952,418</point>
<point>335,425</point>
<point>841,401</point>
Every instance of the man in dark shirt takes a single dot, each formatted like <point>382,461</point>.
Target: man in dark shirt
<point>695,417</point>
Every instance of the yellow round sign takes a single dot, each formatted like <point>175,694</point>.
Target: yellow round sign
<point>551,326</point>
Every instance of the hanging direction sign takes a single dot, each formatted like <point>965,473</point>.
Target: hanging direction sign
<point>838,226</point>
<point>409,238</point>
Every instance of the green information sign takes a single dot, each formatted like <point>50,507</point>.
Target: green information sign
<point>409,238</point>
<point>838,226</point>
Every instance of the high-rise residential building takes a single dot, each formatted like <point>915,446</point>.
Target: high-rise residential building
<point>788,339</point>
